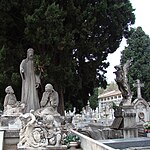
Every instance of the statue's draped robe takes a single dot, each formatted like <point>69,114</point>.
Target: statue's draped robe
<point>10,99</point>
<point>29,94</point>
<point>50,99</point>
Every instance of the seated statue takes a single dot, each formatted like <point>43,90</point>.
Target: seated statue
<point>11,105</point>
<point>49,102</point>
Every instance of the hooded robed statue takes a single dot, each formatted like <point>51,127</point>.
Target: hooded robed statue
<point>30,83</point>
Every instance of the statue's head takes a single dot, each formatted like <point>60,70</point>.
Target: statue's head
<point>49,88</point>
<point>49,119</point>
<point>30,53</point>
<point>9,90</point>
<point>117,67</point>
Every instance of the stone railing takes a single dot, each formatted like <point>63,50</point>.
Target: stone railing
<point>90,144</point>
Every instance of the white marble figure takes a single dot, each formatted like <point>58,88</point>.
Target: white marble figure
<point>39,134</point>
<point>30,134</point>
<point>49,102</point>
<point>37,138</point>
<point>11,105</point>
<point>54,132</point>
<point>30,83</point>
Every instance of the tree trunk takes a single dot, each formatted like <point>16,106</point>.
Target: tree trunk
<point>61,101</point>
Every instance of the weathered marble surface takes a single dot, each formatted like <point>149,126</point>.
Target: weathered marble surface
<point>12,107</point>
<point>30,83</point>
<point>122,82</point>
<point>49,100</point>
<point>39,131</point>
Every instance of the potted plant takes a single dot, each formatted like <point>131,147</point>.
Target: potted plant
<point>71,140</point>
<point>146,127</point>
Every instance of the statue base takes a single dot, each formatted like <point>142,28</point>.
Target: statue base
<point>129,122</point>
<point>61,147</point>
<point>10,121</point>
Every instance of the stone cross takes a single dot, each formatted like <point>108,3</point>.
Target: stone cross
<point>138,85</point>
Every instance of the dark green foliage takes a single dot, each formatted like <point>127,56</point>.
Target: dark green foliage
<point>71,39</point>
<point>94,99</point>
<point>114,106</point>
<point>70,138</point>
<point>139,49</point>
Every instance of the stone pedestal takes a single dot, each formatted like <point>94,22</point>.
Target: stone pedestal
<point>129,122</point>
<point>11,138</point>
<point>61,147</point>
<point>11,122</point>
<point>6,120</point>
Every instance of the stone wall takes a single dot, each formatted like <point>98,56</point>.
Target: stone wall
<point>90,144</point>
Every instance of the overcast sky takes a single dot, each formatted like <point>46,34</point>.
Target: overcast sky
<point>142,14</point>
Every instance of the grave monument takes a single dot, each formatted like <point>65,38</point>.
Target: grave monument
<point>128,112</point>
<point>39,121</point>
<point>141,107</point>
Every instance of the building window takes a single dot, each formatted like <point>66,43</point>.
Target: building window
<point>119,96</point>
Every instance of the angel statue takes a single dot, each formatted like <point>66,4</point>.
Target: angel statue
<point>122,82</point>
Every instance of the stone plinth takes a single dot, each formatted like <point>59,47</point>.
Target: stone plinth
<point>129,122</point>
<point>62,147</point>
<point>11,138</point>
<point>6,120</point>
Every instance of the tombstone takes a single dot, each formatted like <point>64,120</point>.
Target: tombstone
<point>142,110</point>
<point>140,105</point>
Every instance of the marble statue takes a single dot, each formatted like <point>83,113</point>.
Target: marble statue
<point>38,138</point>
<point>122,82</point>
<point>11,105</point>
<point>35,133</point>
<point>28,121</point>
<point>54,132</point>
<point>50,100</point>
<point>30,83</point>
<point>31,135</point>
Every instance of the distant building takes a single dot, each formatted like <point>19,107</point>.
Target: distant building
<point>105,100</point>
